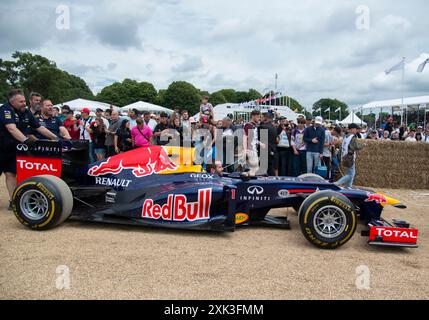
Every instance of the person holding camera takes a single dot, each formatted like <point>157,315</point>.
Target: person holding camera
<point>283,147</point>
<point>349,147</point>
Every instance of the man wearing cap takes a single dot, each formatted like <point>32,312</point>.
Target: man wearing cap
<point>283,148</point>
<point>99,114</point>
<point>65,109</point>
<point>85,124</point>
<point>314,137</point>
<point>411,136</point>
<point>272,143</point>
<point>161,130</point>
<point>251,142</point>
<point>327,149</point>
<point>348,156</point>
<point>72,125</point>
<point>426,136</point>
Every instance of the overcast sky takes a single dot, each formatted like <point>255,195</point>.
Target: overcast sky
<point>319,48</point>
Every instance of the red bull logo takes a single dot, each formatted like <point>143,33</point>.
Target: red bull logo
<point>178,208</point>
<point>142,161</point>
<point>378,198</point>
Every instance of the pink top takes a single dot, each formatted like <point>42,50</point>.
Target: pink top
<point>141,139</point>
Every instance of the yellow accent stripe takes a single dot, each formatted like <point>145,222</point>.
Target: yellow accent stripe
<point>353,224</point>
<point>51,215</point>
<point>311,207</point>
<point>21,186</point>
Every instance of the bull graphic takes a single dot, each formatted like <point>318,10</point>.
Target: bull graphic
<point>142,161</point>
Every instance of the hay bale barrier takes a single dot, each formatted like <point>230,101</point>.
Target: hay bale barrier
<point>393,164</point>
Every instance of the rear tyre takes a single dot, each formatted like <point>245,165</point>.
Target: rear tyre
<point>42,202</point>
<point>327,219</point>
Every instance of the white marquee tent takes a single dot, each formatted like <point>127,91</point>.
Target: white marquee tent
<point>79,104</point>
<point>422,102</point>
<point>146,106</point>
<point>243,111</point>
<point>352,118</point>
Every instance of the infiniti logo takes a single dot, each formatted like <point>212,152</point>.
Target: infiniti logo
<point>22,147</point>
<point>255,190</point>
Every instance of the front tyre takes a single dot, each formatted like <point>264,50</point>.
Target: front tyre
<point>327,219</point>
<point>42,202</point>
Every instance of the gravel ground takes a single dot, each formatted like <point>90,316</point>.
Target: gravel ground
<point>120,262</point>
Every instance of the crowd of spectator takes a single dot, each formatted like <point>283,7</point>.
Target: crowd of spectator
<point>293,147</point>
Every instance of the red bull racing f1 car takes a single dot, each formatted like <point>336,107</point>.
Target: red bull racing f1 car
<point>162,187</point>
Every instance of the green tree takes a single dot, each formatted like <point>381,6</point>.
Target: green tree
<point>253,94</point>
<point>127,92</point>
<point>160,98</point>
<point>229,94</point>
<point>36,73</point>
<point>217,98</point>
<point>333,104</point>
<point>182,95</point>
<point>296,106</point>
<point>241,96</point>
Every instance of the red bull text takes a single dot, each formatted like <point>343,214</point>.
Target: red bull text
<point>178,208</point>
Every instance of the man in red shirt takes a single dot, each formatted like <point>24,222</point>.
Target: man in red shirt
<point>72,125</point>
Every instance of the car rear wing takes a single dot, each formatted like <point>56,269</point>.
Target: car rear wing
<point>43,157</point>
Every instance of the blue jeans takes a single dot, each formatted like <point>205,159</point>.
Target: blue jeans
<point>299,164</point>
<point>348,178</point>
<point>91,153</point>
<point>283,161</point>
<point>313,161</point>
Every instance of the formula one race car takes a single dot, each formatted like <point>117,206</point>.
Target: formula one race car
<point>162,187</point>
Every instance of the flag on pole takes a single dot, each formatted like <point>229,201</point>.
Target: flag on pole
<point>422,65</point>
<point>396,67</point>
<point>338,110</point>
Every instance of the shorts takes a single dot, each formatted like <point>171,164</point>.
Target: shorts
<point>8,163</point>
<point>100,151</point>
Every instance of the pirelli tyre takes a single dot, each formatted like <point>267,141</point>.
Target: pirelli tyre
<point>327,219</point>
<point>42,202</point>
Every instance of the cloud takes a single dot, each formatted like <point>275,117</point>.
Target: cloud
<point>189,65</point>
<point>313,45</point>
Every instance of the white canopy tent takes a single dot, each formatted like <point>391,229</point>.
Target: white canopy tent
<point>419,105</point>
<point>352,118</point>
<point>244,110</point>
<point>395,103</point>
<point>79,104</point>
<point>146,106</point>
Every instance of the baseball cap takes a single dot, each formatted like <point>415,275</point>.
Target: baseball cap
<point>318,120</point>
<point>99,110</point>
<point>85,110</point>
